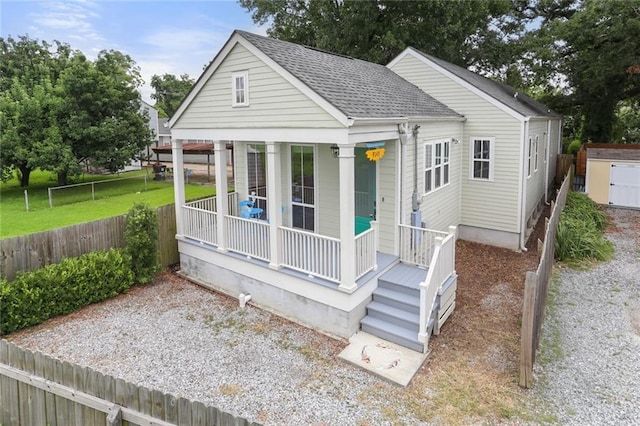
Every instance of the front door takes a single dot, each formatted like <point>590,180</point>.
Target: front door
<point>365,190</point>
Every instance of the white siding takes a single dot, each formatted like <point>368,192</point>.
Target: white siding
<point>328,192</point>
<point>388,198</point>
<point>485,204</point>
<point>440,208</point>
<point>535,182</point>
<point>273,101</point>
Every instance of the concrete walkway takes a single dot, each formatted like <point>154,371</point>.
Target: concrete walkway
<point>384,359</point>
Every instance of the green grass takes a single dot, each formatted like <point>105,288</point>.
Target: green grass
<point>112,199</point>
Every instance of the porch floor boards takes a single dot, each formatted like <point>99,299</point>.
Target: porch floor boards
<point>404,275</point>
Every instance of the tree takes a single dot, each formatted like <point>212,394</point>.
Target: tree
<point>462,32</point>
<point>58,109</point>
<point>169,92</point>
<point>593,46</point>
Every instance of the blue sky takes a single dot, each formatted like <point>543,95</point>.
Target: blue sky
<point>173,37</point>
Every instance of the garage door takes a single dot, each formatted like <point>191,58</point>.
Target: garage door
<point>624,186</point>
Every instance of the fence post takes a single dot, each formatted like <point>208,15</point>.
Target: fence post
<point>26,199</point>
<point>50,199</point>
<point>527,349</point>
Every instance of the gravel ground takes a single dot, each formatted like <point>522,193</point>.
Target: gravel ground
<point>588,370</point>
<point>184,340</point>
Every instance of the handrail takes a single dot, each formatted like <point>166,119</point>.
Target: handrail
<point>200,224</point>
<point>365,252</point>
<point>313,254</point>
<point>249,237</point>
<point>440,268</point>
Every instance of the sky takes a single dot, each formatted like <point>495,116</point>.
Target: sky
<point>174,37</point>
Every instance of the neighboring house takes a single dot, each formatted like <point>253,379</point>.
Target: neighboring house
<point>152,115</point>
<point>613,174</point>
<point>349,183</point>
<point>510,146</point>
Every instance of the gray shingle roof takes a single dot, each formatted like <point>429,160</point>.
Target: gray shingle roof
<point>521,103</point>
<point>357,88</point>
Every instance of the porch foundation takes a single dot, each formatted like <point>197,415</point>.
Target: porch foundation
<point>313,303</point>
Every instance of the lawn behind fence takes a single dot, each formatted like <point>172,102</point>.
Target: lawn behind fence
<point>112,199</point>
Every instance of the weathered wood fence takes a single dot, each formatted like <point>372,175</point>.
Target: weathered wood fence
<point>33,251</point>
<point>536,288</point>
<point>36,389</point>
<point>563,164</point>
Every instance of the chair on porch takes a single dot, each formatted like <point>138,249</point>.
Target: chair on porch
<point>248,211</point>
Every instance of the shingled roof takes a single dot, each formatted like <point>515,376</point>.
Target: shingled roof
<point>357,88</point>
<point>515,100</point>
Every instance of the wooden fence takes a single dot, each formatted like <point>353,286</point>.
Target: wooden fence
<point>536,289</point>
<point>33,251</point>
<point>36,389</point>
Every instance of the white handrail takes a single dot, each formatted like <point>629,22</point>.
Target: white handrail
<point>249,237</point>
<point>417,244</point>
<point>365,255</point>
<point>440,269</point>
<point>199,224</point>
<point>313,254</point>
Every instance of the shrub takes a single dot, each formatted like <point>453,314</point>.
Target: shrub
<point>580,231</point>
<point>141,237</point>
<point>33,297</point>
<point>574,147</point>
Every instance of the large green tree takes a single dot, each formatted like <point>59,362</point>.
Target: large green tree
<point>59,109</point>
<point>169,92</point>
<point>462,32</point>
<point>587,54</point>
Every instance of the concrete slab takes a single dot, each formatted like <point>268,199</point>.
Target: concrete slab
<point>384,359</point>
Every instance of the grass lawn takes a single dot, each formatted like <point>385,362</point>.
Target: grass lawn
<point>75,205</point>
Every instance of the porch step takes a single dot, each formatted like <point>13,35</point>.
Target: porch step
<point>397,299</point>
<point>392,332</point>
<point>403,278</point>
<point>399,317</point>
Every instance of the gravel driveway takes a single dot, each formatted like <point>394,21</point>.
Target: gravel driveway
<point>588,367</point>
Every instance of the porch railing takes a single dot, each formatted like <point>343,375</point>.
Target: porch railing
<point>365,256</point>
<point>249,237</point>
<point>417,244</point>
<point>313,254</point>
<point>200,224</point>
<point>210,203</point>
<point>441,267</point>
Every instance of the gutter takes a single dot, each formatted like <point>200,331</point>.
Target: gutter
<point>522,205</point>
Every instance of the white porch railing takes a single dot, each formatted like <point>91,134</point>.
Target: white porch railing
<point>199,224</point>
<point>210,203</point>
<point>248,236</point>
<point>441,267</point>
<point>417,244</point>
<point>365,255</point>
<point>313,254</point>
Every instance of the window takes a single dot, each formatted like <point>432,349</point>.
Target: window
<point>530,159</point>
<point>535,158</point>
<point>482,158</point>
<point>240,88</point>
<point>436,165</point>
<point>303,187</point>
<point>257,176</point>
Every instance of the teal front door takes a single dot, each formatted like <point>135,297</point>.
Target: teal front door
<point>365,190</point>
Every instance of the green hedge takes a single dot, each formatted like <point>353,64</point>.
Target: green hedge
<point>580,232</point>
<point>33,297</point>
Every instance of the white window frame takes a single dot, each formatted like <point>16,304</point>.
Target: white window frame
<point>260,201</point>
<point>535,158</point>
<point>530,152</point>
<point>438,164</point>
<point>315,189</point>
<point>491,160</point>
<point>244,101</point>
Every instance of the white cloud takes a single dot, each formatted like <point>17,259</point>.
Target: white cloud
<point>73,19</point>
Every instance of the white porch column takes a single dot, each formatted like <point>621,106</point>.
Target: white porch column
<point>347,218</point>
<point>178,181</point>
<point>220,160</point>
<point>274,201</point>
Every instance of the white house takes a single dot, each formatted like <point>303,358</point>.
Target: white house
<point>349,185</point>
<point>510,147</point>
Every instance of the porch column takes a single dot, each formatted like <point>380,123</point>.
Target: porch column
<point>274,201</point>
<point>222,207</point>
<point>347,217</point>
<point>178,181</point>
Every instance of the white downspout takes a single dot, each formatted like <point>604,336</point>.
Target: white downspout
<point>547,151</point>
<point>523,194</point>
